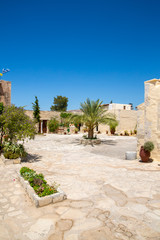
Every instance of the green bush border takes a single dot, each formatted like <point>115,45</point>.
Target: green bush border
<point>37,182</point>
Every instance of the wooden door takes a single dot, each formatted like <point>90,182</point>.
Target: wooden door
<point>44,126</point>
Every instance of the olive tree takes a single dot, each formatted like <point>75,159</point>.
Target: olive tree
<point>16,124</point>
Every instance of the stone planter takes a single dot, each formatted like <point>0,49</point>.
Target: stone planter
<point>10,161</point>
<point>41,201</point>
<point>90,141</point>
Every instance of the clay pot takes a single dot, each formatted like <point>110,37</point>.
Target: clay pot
<point>145,155</point>
<point>112,131</point>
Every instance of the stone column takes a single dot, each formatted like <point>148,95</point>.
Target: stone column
<point>149,117</point>
<point>5,92</point>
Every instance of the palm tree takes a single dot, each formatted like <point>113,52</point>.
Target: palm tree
<point>112,126</point>
<point>92,115</point>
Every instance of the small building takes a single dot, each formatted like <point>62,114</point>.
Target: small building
<point>117,106</point>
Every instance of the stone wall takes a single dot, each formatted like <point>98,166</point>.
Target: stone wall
<point>5,92</point>
<point>44,115</point>
<point>140,125</point>
<point>148,121</point>
<point>127,121</point>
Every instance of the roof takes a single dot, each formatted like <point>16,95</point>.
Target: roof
<point>75,111</point>
<point>141,106</point>
<point>154,80</point>
<point>105,104</point>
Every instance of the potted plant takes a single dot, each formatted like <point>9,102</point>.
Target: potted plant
<point>113,126</point>
<point>126,133</point>
<point>76,130</point>
<point>145,151</point>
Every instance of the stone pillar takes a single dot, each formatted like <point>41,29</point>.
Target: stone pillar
<point>140,127</point>
<point>149,117</point>
<point>5,92</point>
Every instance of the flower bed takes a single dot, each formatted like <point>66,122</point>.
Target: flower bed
<point>37,188</point>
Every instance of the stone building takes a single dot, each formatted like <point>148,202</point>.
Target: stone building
<point>117,106</point>
<point>45,116</point>
<point>5,92</point>
<point>127,121</point>
<point>148,119</point>
<point>127,118</point>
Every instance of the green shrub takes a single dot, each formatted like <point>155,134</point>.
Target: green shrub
<point>126,133</point>
<point>26,170</point>
<point>85,136</point>
<point>13,151</point>
<point>53,125</point>
<point>10,155</point>
<point>15,124</point>
<point>135,131</point>
<point>148,146</point>
<point>112,126</point>
<point>76,130</point>
<point>38,182</point>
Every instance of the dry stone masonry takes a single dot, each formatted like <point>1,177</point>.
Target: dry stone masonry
<point>5,92</point>
<point>148,119</point>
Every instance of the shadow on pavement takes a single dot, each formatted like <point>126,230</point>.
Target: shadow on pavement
<point>32,158</point>
<point>109,142</point>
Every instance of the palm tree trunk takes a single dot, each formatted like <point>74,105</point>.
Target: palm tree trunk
<point>90,133</point>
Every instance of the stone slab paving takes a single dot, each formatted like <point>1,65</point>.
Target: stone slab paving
<point>109,198</point>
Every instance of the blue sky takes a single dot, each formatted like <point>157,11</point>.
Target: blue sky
<point>78,49</point>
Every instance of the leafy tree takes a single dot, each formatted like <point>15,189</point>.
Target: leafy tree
<point>65,118</point>
<point>93,114</point>
<point>16,124</point>
<point>65,115</point>
<point>36,110</point>
<point>60,104</point>
<point>53,125</point>
<point>1,125</point>
<point>1,107</point>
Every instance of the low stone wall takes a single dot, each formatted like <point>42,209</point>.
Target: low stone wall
<point>10,161</point>
<point>90,141</point>
<point>41,201</point>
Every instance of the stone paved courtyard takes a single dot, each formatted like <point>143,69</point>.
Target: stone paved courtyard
<point>109,198</point>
